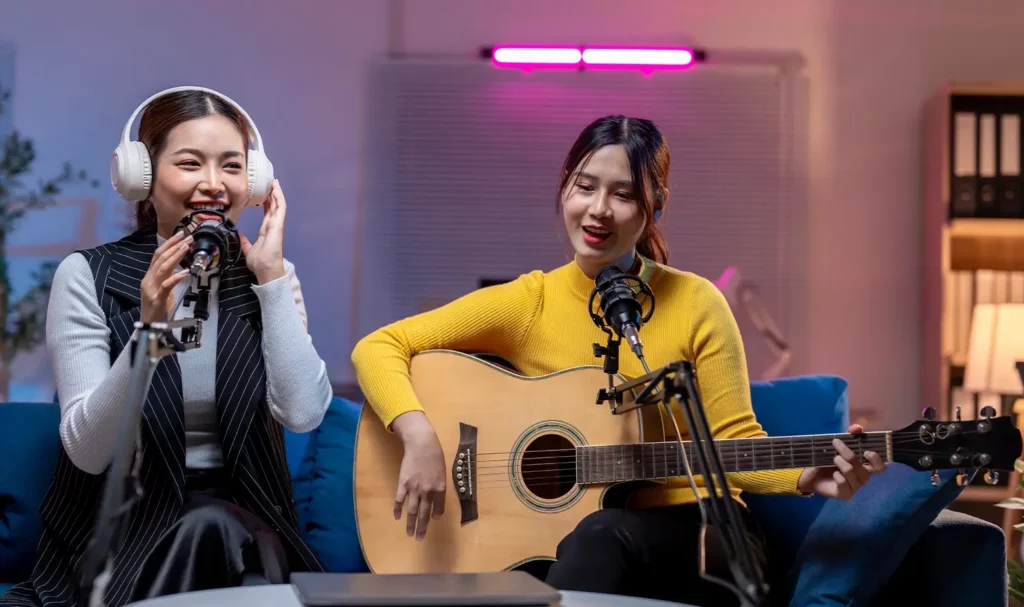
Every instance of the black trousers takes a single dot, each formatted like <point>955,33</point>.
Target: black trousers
<point>649,553</point>
<point>215,544</point>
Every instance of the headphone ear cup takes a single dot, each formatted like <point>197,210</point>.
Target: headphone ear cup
<point>131,171</point>
<point>261,177</point>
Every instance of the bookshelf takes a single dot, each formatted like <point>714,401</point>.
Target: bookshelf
<point>973,234</point>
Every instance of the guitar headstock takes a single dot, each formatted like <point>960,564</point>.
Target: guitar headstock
<point>989,443</point>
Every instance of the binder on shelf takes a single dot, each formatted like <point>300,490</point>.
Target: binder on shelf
<point>1010,203</point>
<point>961,312</point>
<point>1016,287</point>
<point>965,163</point>
<point>987,205</point>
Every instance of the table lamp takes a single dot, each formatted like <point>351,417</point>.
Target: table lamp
<point>996,346</point>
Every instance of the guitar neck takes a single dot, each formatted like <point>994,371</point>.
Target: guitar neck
<point>661,460</point>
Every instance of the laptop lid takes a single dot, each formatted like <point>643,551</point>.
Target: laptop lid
<point>516,588</point>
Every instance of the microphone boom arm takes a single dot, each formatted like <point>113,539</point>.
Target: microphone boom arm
<point>150,343</point>
<point>676,383</point>
<point>621,316</point>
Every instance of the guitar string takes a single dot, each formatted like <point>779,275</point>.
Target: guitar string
<point>722,441</point>
<point>898,437</point>
<point>649,465</point>
<point>603,475</point>
<point>628,450</point>
<point>631,453</point>
<point>629,460</point>
<point>609,473</point>
<point>798,459</point>
<point>606,471</point>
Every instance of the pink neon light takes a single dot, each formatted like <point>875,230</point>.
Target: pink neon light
<point>525,55</point>
<point>638,57</point>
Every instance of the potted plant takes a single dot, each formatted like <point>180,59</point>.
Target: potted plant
<point>22,320</point>
<point>1014,567</point>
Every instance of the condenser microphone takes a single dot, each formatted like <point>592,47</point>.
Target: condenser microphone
<point>620,307</point>
<point>215,242</point>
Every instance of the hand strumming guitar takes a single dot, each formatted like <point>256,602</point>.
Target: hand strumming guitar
<point>421,478</point>
<point>846,477</point>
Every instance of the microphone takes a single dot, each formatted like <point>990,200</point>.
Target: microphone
<point>620,306</point>
<point>215,247</point>
<point>215,242</point>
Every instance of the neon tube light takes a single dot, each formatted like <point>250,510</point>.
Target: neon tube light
<point>638,57</point>
<point>526,55</point>
<point>597,57</point>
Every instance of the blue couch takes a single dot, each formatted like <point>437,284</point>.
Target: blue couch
<point>892,544</point>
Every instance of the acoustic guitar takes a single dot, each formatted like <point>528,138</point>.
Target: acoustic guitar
<point>529,457</point>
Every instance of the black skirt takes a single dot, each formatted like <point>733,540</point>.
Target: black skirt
<point>215,544</point>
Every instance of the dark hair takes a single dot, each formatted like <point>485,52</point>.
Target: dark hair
<point>648,156</point>
<point>167,112</point>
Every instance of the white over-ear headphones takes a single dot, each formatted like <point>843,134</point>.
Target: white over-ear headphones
<point>131,168</point>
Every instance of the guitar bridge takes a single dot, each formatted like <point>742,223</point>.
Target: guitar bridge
<point>464,472</point>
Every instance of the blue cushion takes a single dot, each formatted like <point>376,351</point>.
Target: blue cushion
<point>854,546</point>
<point>295,445</point>
<point>323,490</point>
<point>808,404</point>
<point>29,443</point>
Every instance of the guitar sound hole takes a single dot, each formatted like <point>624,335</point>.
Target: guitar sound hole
<point>548,468</point>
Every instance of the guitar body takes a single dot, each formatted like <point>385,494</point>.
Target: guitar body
<point>520,478</point>
<point>519,497</point>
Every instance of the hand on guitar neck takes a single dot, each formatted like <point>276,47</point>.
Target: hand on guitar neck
<point>421,478</point>
<point>846,477</point>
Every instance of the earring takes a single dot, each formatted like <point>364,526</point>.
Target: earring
<point>657,215</point>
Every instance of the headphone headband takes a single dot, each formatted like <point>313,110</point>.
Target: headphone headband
<point>131,168</point>
<point>254,138</point>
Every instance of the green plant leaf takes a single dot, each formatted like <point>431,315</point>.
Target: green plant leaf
<point>1013,503</point>
<point>1015,579</point>
<point>22,327</point>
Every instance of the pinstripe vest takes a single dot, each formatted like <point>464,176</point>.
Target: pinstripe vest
<point>252,440</point>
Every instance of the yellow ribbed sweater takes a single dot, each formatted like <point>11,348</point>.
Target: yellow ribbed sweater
<point>539,323</point>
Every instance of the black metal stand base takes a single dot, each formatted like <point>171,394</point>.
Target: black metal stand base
<point>675,381</point>
<point>150,343</point>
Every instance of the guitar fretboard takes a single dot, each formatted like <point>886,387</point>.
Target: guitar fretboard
<point>661,460</point>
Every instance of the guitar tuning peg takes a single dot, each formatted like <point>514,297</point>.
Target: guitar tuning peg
<point>988,412</point>
<point>958,414</point>
<point>929,413</point>
<point>935,478</point>
<point>991,477</point>
<point>961,478</point>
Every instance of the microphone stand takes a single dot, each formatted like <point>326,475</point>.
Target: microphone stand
<point>150,343</point>
<point>676,381</point>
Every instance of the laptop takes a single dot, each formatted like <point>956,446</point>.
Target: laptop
<point>510,588</point>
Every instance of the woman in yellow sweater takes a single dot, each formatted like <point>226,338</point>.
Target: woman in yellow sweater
<point>613,190</point>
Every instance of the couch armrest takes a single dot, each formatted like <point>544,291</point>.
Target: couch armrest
<point>959,560</point>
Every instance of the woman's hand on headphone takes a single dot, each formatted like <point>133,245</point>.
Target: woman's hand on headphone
<point>265,257</point>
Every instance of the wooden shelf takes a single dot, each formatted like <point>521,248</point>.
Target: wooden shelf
<point>977,493</point>
<point>952,247</point>
<point>986,228</point>
<point>991,244</point>
<point>985,88</point>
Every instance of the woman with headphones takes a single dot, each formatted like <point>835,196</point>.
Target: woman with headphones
<point>613,190</point>
<point>216,505</point>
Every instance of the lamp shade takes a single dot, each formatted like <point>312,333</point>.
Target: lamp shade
<point>996,345</point>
